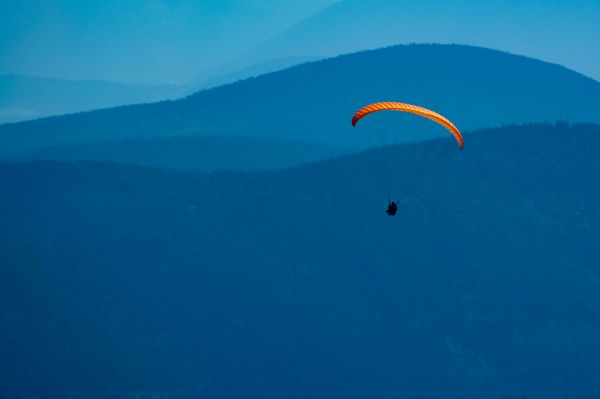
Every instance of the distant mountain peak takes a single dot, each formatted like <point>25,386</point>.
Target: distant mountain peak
<point>519,27</point>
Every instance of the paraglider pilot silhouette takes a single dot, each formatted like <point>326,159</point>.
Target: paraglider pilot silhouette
<point>412,109</point>
<point>392,208</point>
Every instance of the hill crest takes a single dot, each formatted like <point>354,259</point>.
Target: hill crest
<point>473,87</point>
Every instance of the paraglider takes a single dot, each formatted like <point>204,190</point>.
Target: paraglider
<point>413,109</point>
<point>392,208</point>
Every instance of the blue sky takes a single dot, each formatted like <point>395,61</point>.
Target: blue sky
<point>173,41</point>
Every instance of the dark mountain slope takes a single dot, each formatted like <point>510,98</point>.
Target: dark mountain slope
<point>200,153</point>
<point>474,87</point>
<point>143,282</point>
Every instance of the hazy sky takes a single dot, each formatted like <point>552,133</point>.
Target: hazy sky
<point>158,41</point>
<point>566,32</point>
<point>172,41</point>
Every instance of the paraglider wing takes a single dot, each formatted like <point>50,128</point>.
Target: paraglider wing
<point>413,109</point>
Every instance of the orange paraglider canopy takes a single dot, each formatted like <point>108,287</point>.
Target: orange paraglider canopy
<point>413,109</point>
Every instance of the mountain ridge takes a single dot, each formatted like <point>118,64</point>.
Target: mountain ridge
<point>33,97</point>
<point>315,101</point>
<point>493,25</point>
